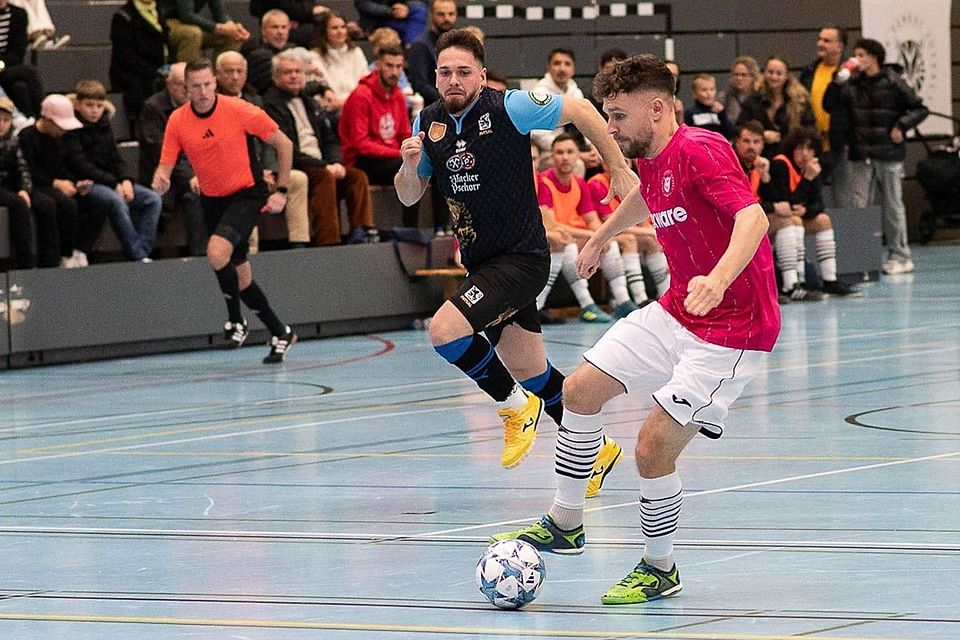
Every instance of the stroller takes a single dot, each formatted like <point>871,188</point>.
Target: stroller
<point>939,175</point>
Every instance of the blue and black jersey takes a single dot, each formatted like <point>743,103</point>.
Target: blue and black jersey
<point>480,161</point>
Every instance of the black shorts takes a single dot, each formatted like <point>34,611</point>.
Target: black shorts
<point>501,291</point>
<point>233,217</point>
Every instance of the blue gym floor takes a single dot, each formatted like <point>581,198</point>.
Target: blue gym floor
<point>349,493</point>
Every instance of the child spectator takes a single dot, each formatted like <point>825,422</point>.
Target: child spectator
<point>706,112</point>
<point>92,155</point>
<point>15,191</point>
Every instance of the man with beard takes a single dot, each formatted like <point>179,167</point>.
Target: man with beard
<point>422,55</point>
<point>702,342</point>
<point>475,144</point>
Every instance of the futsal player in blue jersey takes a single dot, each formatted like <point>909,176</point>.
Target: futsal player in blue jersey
<point>474,143</point>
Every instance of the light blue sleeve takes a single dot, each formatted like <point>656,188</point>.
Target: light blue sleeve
<point>529,110</point>
<point>424,169</point>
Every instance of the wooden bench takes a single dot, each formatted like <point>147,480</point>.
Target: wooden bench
<point>451,278</point>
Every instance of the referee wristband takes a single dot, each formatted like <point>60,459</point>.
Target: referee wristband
<point>282,190</point>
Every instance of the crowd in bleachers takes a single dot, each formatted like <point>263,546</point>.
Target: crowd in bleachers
<point>61,177</point>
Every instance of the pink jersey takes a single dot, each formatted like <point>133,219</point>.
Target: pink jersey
<point>694,188</point>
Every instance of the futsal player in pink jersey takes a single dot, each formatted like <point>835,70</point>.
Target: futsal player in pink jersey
<point>699,345</point>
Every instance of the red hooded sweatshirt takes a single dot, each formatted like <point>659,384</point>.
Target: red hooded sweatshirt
<point>373,124</point>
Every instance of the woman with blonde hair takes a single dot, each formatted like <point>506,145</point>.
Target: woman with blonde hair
<point>744,74</point>
<point>779,102</point>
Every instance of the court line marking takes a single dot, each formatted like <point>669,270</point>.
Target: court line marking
<point>408,628</point>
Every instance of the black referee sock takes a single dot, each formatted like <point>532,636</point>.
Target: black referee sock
<point>230,285</point>
<point>253,297</point>
<point>475,356</point>
<point>548,386</point>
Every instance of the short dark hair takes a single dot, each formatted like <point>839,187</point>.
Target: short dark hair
<point>841,33</point>
<point>199,64</point>
<point>390,50</point>
<point>802,137</point>
<point>566,52</point>
<point>612,54</point>
<point>563,137</point>
<point>640,72</point>
<point>873,48</point>
<point>462,39</point>
<point>753,126</point>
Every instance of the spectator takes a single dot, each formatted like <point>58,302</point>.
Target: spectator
<point>302,15</point>
<point>317,153</point>
<point>384,37</point>
<point>744,75</point>
<point>422,54</point>
<point>139,52</point>
<point>190,30</point>
<point>184,192</point>
<point>558,80</point>
<point>43,149</point>
<point>706,111</point>
<point>748,145</point>
<point>496,81</point>
<point>780,103</point>
<point>607,59</point>
<point>20,82</point>
<point>343,62</point>
<point>274,38</point>
<point>40,30</point>
<point>678,109</point>
<point>92,155</point>
<point>231,70</point>
<point>816,77</point>
<point>880,107</point>
<point>794,191</point>
<point>407,18</point>
<point>15,188</point>
<point>374,123</point>
<point>570,199</point>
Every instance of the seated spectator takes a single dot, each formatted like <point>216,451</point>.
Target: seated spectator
<point>45,153</point>
<point>706,112</point>
<point>317,153</point>
<point>407,17</point>
<point>343,62</point>
<point>780,103</point>
<point>374,123</point>
<point>20,82</point>
<point>274,38</point>
<point>184,192</point>
<point>190,30</point>
<point>558,80</point>
<point>607,59</point>
<point>133,210</point>
<point>794,191</point>
<point>40,30</point>
<point>15,195</point>
<point>637,244</point>
<point>385,37</point>
<point>231,71</point>
<point>301,13</point>
<point>138,54</point>
<point>422,52</point>
<point>744,75</point>
<point>569,198</point>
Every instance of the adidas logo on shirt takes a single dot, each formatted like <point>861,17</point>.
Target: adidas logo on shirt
<point>207,134</point>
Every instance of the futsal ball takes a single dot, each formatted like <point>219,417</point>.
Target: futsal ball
<point>510,573</point>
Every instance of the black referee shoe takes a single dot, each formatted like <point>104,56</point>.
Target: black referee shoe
<point>279,345</point>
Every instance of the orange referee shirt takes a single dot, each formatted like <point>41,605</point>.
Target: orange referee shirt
<point>217,143</point>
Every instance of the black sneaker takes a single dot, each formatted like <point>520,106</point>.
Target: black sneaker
<point>840,288</point>
<point>279,345</point>
<point>235,333</point>
<point>801,293</point>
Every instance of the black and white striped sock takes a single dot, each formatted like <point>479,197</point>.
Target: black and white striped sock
<point>578,444</point>
<point>660,502</point>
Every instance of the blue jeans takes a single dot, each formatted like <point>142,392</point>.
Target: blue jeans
<point>135,222</point>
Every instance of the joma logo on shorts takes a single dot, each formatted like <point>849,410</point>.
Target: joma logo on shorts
<point>669,217</point>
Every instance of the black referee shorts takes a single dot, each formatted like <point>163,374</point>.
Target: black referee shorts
<point>233,217</point>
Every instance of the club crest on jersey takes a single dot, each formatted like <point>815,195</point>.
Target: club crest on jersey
<point>472,296</point>
<point>485,125</point>
<point>437,131</point>
<point>540,98</point>
<point>669,182</point>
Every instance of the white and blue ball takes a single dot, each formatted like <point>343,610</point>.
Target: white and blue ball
<point>510,573</point>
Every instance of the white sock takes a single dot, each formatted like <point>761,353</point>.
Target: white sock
<point>785,249</point>
<point>660,502</point>
<point>826,254</point>
<point>516,400</point>
<point>612,267</point>
<point>799,232</point>
<point>635,283</point>
<point>577,284</point>
<point>656,263</point>
<point>578,444</point>
<point>556,264</point>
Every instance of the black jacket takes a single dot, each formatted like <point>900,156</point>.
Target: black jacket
<point>45,156</point>
<point>865,109</point>
<point>16,48</point>
<point>92,153</point>
<point>14,170</point>
<point>138,53</point>
<point>755,108</point>
<point>275,103</point>
<point>806,193</point>
<point>422,66</point>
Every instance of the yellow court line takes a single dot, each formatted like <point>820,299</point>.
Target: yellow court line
<point>349,626</point>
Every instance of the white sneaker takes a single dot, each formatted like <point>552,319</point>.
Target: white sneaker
<point>896,267</point>
<point>59,42</point>
<point>146,260</point>
<point>80,258</point>
<point>39,43</point>
<point>68,263</point>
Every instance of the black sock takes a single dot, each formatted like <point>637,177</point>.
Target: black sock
<point>475,356</point>
<point>230,285</point>
<point>253,297</point>
<point>548,386</point>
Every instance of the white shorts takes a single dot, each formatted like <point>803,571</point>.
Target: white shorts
<point>692,380</point>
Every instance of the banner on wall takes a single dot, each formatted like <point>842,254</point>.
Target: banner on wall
<point>916,35</point>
